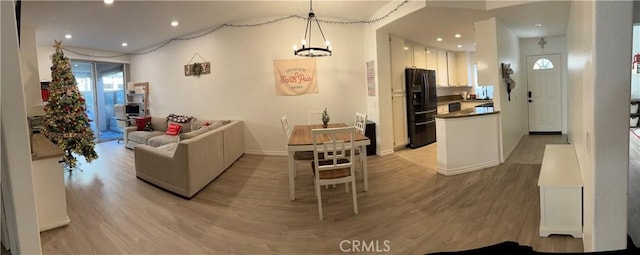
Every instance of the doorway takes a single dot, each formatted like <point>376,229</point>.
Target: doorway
<point>544,82</point>
<point>102,86</point>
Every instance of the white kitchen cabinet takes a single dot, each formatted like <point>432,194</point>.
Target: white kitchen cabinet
<point>432,59</point>
<point>401,57</point>
<point>407,51</point>
<point>442,76</point>
<point>419,58</point>
<point>463,69</point>
<point>452,67</point>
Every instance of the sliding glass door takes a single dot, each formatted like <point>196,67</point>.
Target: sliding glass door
<point>102,86</point>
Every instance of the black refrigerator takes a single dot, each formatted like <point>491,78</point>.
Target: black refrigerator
<point>421,106</point>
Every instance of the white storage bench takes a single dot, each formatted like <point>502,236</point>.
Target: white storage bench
<point>561,186</point>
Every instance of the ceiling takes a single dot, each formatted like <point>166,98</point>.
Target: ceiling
<point>425,25</point>
<point>142,23</point>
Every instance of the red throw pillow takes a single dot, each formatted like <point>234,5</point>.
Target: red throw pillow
<point>141,123</point>
<point>174,129</point>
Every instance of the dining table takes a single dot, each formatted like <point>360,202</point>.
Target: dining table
<point>302,140</point>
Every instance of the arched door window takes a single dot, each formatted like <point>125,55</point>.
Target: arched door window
<point>542,64</point>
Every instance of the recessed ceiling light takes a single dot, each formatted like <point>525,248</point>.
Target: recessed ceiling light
<point>439,39</point>
<point>75,65</point>
<point>108,1</point>
<point>474,44</point>
<point>459,46</point>
<point>406,48</point>
<point>428,52</point>
<point>458,35</point>
<point>537,25</point>
<point>124,44</point>
<point>68,36</point>
<point>174,23</point>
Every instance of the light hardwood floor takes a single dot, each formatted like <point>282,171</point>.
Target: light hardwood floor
<point>247,209</point>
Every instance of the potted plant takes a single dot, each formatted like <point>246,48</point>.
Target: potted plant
<point>325,118</point>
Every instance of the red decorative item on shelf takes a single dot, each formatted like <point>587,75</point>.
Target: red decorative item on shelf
<point>44,91</point>
<point>636,63</point>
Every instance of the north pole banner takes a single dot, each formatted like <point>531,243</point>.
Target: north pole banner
<point>295,76</point>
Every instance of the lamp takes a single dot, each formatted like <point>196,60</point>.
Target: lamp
<point>307,50</point>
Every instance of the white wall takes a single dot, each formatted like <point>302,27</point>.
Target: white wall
<point>29,58</point>
<point>611,127</point>
<point>377,48</point>
<point>580,102</point>
<point>512,112</point>
<point>555,45</point>
<point>598,45</point>
<point>242,84</point>
<point>496,44</point>
<point>17,181</point>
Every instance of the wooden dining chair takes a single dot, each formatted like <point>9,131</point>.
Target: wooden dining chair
<point>360,124</point>
<point>336,165</point>
<point>314,117</point>
<point>298,156</point>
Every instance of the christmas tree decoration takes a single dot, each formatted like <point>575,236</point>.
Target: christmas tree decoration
<point>66,121</point>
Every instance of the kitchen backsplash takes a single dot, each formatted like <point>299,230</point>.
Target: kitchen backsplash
<point>449,98</point>
<point>446,91</point>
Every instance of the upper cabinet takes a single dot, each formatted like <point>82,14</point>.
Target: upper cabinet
<point>407,53</point>
<point>419,58</point>
<point>463,68</point>
<point>432,59</point>
<point>442,75</point>
<point>452,67</point>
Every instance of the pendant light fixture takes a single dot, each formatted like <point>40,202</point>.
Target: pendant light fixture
<point>307,49</point>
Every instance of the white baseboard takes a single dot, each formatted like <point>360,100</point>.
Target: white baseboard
<point>385,152</point>
<point>467,169</point>
<point>53,225</point>
<point>576,232</point>
<point>266,153</point>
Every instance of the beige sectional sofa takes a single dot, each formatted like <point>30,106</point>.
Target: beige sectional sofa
<point>195,159</point>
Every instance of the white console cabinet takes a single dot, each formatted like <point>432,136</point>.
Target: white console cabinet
<point>560,185</point>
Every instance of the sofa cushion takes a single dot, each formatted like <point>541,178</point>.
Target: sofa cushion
<point>194,133</point>
<point>174,129</point>
<point>198,123</point>
<point>143,136</point>
<point>160,140</point>
<point>141,123</point>
<point>179,118</point>
<point>216,124</point>
<point>159,124</point>
<point>186,127</point>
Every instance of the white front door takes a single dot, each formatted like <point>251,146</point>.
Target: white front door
<point>544,79</point>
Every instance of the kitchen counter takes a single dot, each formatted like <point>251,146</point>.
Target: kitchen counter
<point>43,148</point>
<point>475,111</point>
<point>48,183</point>
<point>467,140</point>
<point>441,102</point>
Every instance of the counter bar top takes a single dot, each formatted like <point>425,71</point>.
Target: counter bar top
<point>475,111</point>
